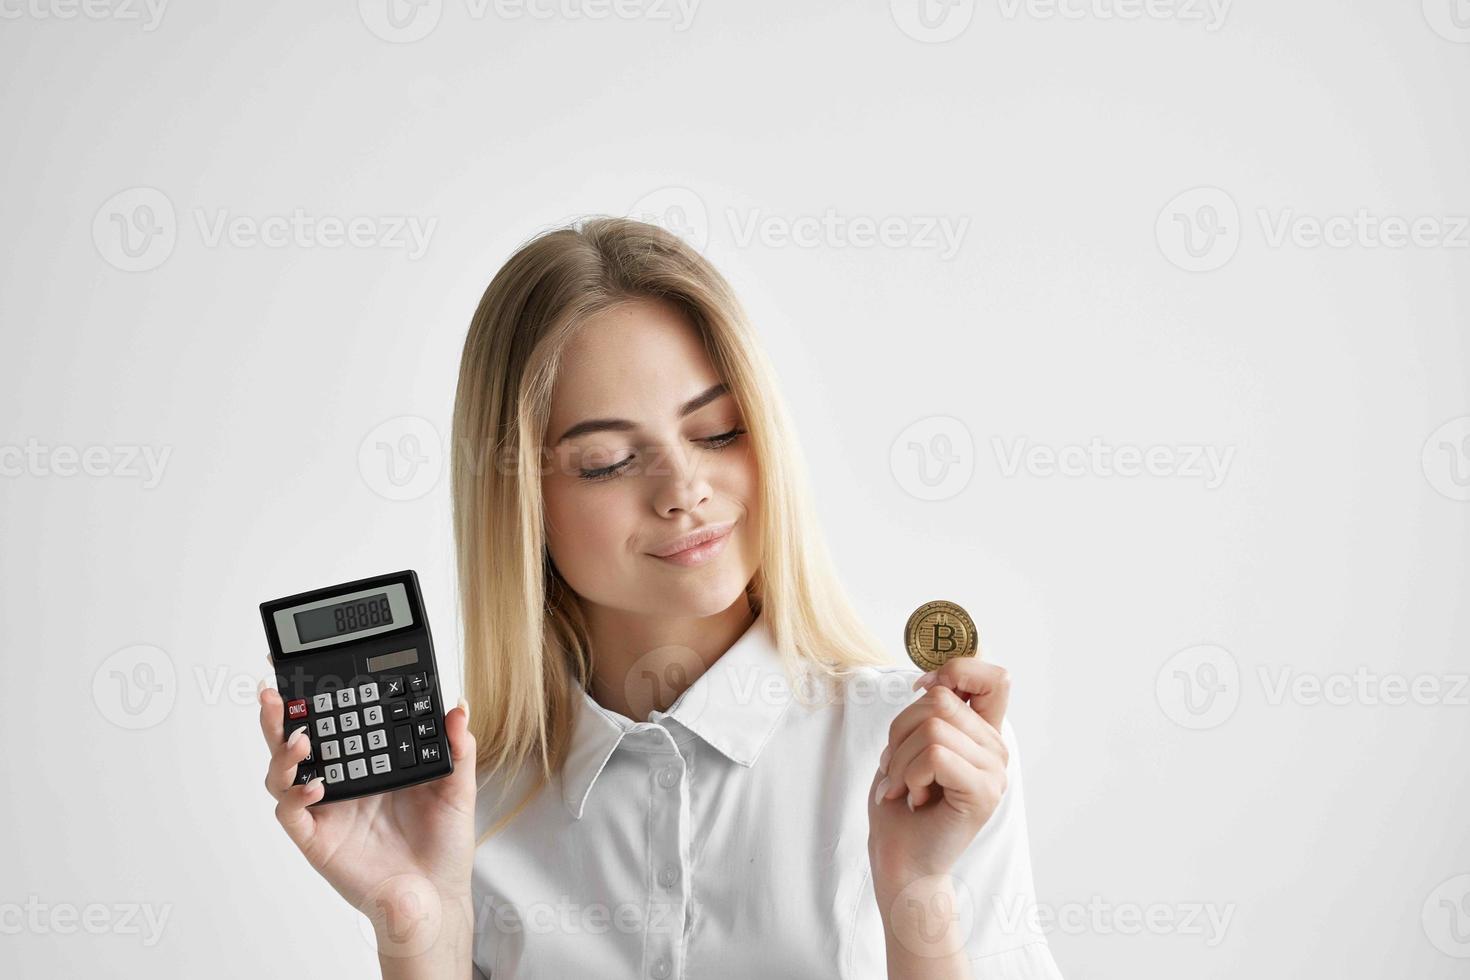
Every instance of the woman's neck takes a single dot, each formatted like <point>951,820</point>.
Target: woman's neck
<point>642,663</point>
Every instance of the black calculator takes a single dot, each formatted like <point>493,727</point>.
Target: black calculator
<point>355,665</point>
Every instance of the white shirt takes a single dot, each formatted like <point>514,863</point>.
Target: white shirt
<point>727,838</point>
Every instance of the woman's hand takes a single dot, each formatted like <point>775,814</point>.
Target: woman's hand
<point>403,858</point>
<point>945,755</point>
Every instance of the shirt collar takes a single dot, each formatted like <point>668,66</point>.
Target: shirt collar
<point>734,706</point>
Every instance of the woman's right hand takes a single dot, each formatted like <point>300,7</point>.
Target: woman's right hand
<point>382,852</point>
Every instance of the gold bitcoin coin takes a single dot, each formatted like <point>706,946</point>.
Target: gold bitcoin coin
<point>939,631</point>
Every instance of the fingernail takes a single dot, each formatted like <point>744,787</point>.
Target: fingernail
<point>466,706</point>
<point>911,802</point>
<point>883,759</point>
<point>295,735</point>
<point>318,781</point>
<point>882,788</point>
<point>924,680</point>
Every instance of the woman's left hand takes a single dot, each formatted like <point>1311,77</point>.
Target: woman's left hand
<point>945,754</point>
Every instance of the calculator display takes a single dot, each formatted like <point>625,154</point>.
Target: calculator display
<point>344,617</point>
<point>351,616</point>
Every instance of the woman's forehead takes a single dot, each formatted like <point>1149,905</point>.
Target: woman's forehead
<point>640,365</point>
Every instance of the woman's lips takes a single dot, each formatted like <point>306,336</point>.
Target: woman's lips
<point>700,553</point>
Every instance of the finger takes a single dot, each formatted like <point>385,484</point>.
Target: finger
<point>298,821</point>
<point>942,702</point>
<point>938,731</point>
<point>988,686</point>
<point>461,746</point>
<point>966,787</point>
<point>280,775</point>
<point>272,715</point>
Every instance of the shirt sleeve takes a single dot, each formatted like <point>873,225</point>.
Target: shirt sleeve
<point>1005,941</point>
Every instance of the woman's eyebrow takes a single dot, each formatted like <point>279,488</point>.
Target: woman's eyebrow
<point>623,425</point>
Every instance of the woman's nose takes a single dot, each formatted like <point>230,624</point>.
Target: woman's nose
<point>679,479</point>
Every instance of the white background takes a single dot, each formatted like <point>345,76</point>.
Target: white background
<point>1331,550</point>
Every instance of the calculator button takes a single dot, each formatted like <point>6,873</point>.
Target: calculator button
<point>429,753</point>
<point>349,721</point>
<point>381,764</point>
<point>403,747</point>
<point>296,710</point>
<point>357,768</point>
<point>367,692</point>
<point>326,726</point>
<point>352,745</point>
<point>423,705</point>
<point>321,703</point>
<point>425,728</point>
<point>332,749</point>
<point>334,773</point>
<point>346,697</point>
<point>393,687</point>
<point>377,739</point>
<point>398,710</point>
<point>304,776</point>
<point>373,715</point>
<point>418,683</point>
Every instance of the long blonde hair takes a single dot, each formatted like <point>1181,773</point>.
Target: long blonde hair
<point>527,652</point>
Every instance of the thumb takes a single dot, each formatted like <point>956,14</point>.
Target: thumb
<point>461,743</point>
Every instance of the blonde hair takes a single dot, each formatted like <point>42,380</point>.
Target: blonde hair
<point>527,652</point>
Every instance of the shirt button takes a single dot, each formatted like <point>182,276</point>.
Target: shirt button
<point>660,969</point>
<point>668,876</point>
<point>668,777</point>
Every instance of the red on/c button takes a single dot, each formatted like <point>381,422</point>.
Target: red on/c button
<point>296,710</point>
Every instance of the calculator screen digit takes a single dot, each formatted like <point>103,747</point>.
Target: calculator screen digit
<point>355,665</point>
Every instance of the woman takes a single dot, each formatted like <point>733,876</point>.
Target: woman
<point>692,758</point>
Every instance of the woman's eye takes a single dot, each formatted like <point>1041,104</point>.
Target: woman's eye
<point>606,471</point>
<point>723,439</point>
<point>710,442</point>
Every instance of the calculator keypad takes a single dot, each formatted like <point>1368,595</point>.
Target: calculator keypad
<point>376,728</point>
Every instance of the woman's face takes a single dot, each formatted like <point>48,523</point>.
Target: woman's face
<point>645,448</point>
